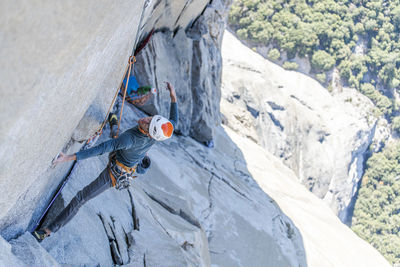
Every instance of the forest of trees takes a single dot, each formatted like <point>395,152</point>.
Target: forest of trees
<point>376,215</point>
<point>362,40</point>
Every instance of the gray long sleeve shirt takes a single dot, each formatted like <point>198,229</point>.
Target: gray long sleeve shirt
<point>131,146</point>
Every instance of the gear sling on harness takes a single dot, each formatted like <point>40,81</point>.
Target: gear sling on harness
<point>121,175</point>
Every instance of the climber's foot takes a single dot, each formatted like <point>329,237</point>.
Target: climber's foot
<point>40,235</point>
<point>113,119</point>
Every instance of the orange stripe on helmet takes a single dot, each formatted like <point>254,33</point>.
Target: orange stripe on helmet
<point>168,129</point>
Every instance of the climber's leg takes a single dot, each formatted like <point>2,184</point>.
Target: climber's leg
<point>102,183</point>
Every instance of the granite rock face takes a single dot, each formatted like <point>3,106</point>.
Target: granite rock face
<point>324,138</point>
<point>7,258</point>
<point>194,207</point>
<point>31,253</point>
<point>61,74</point>
<point>198,207</point>
<point>194,55</point>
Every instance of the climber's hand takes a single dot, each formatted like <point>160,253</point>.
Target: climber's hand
<point>172,92</point>
<point>63,158</point>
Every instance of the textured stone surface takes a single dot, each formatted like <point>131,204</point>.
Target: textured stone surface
<point>327,241</point>
<point>204,207</point>
<point>196,206</point>
<point>59,58</point>
<point>194,54</point>
<point>191,206</point>
<point>30,252</point>
<point>60,76</point>
<point>7,258</point>
<point>323,138</point>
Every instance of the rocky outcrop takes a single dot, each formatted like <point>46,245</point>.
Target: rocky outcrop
<point>194,54</point>
<point>322,137</point>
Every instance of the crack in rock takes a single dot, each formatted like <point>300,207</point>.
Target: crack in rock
<point>111,238</point>
<point>242,173</point>
<point>114,242</point>
<point>154,217</point>
<point>276,122</point>
<point>217,252</point>
<point>135,219</point>
<point>130,242</point>
<point>182,12</point>
<point>210,206</point>
<point>40,222</point>
<point>180,213</point>
<point>301,102</point>
<point>283,226</point>
<point>213,173</point>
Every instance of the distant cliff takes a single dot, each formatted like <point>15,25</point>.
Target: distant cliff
<point>323,137</point>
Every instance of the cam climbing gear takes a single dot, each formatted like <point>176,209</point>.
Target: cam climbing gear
<point>121,175</point>
<point>113,119</point>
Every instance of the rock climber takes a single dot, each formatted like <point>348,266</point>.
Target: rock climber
<point>128,150</point>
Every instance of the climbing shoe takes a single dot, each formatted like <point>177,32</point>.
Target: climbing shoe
<point>113,119</point>
<point>40,235</point>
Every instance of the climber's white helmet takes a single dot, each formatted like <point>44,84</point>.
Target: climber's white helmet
<point>160,128</point>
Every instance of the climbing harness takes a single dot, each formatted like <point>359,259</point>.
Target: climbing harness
<point>121,175</point>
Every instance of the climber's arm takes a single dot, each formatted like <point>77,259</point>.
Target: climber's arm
<point>122,142</point>
<point>173,115</point>
<point>64,158</point>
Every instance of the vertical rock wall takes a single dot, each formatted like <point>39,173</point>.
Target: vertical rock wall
<point>62,64</point>
<point>58,57</point>
<point>194,54</point>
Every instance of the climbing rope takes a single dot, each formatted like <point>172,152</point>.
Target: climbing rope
<point>99,131</point>
<point>132,61</point>
<point>129,68</point>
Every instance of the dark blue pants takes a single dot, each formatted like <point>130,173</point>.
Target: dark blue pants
<point>102,183</point>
